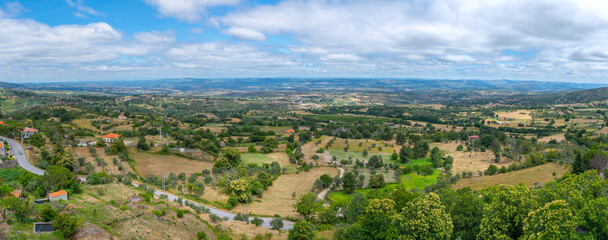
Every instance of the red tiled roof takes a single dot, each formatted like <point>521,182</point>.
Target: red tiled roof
<point>1,123</point>
<point>474,137</point>
<point>112,135</point>
<point>58,193</point>
<point>16,193</point>
<point>290,131</point>
<point>30,130</point>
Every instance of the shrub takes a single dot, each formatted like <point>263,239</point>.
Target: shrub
<point>257,221</point>
<point>66,224</point>
<point>201,235</point>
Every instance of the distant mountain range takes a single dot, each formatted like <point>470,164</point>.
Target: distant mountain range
<point>200,86</point>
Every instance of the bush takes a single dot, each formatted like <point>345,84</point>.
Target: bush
<point>276,223</point>
<point>180,213</point>
<point>492,169</point>
<point>66,224</point>
<point>257,221</point>
<point>201,235</point>
<point>214,218</point>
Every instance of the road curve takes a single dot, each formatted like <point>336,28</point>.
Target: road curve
<point>322,194</point>
<point>21,158</point>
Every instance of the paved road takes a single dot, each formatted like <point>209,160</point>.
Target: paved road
<point>21,158</point>
<point>322,194</point>
<point>286,223</point>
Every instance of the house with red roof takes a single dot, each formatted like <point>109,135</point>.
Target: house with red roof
<point>59,195</point>
<point>121,116</point>
<point>290,131</point>
<point>110,137</point>
<point>27,132</point>
<point>474,137</point>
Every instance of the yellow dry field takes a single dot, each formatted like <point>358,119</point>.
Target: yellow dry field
<point>541,174</point>
<point>517,115</point>
<point>109,168</point>
<point>277,130</point>
<point>604,130</point>
<point>212,194</point>
<point>310,148</point>
<point>557,137</point>
<point>214,129</point>
<point>250,230</point>
<point>278,198</point>
<point>162,165</point>
<point>469,161</point>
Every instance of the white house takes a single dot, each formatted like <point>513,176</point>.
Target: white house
<point>27,132</point>
<point>110,137</point>
<point>59,195</point>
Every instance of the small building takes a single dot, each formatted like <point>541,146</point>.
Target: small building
<point>59,195</point>
<point>2,123</point>
<point>43,227</point>
<point>110,137</point>
<point>16,193</point>
<point>27,132</point>
<point>290,131</point>
<point>474,137</point>
<point>121,116</point>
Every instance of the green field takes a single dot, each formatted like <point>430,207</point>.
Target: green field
<point>10,174</point>
<point>420,161</point>
<point>408,180</point>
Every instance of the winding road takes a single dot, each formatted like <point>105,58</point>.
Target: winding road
<point>25,164</point>
<point>21,158</point>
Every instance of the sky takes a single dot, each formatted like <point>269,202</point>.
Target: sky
<point>85,40</point>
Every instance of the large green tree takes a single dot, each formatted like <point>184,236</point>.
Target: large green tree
<point>425,218</point>
<point>504,215</point>
<point>553,221</point>
<point>307,206</point>
<point>302,230</point>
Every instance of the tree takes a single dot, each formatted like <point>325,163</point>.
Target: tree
<point>21,209</point>
<point>265,179</point>
<point>421,148</point>
<point>400,138</point>
<point>405,154</point>
<point>594,216</point>
<point>378,218</point>
<point>349,182</point>
<point>402,196</point>
<point>257,221</point>
<point>355,208</point>
<point>376,180</point>
<point>57,178</point>
<point>436,157</point>
<point>553,221</point>
<point>326,179</point>
<point>66,224</point>
<point>269,144</point>
<point>276,223</point>
<point>425,218</point>
<point>65,160</point>
<point>142,145</point>
<point>232,155</point>
<point>100,143</point>
<point>466,211</point>
<point>307,206</point>
<point>504,215</point>
<point>302,230</point>
<point>251,149</point>
<point>375,162</point>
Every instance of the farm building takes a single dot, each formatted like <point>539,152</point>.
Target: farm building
<point>121,116</point>
<point>16,193</point>
<point>474,137</point>
<point>27,132</point>
<point>59,195</point>
<point>290,131</point>
<point>110,137</point>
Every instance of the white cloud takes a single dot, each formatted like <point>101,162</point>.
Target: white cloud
<point>245,34</point>
<point>12,9</point>
<point>82,8</point>
<point>188,10</point>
